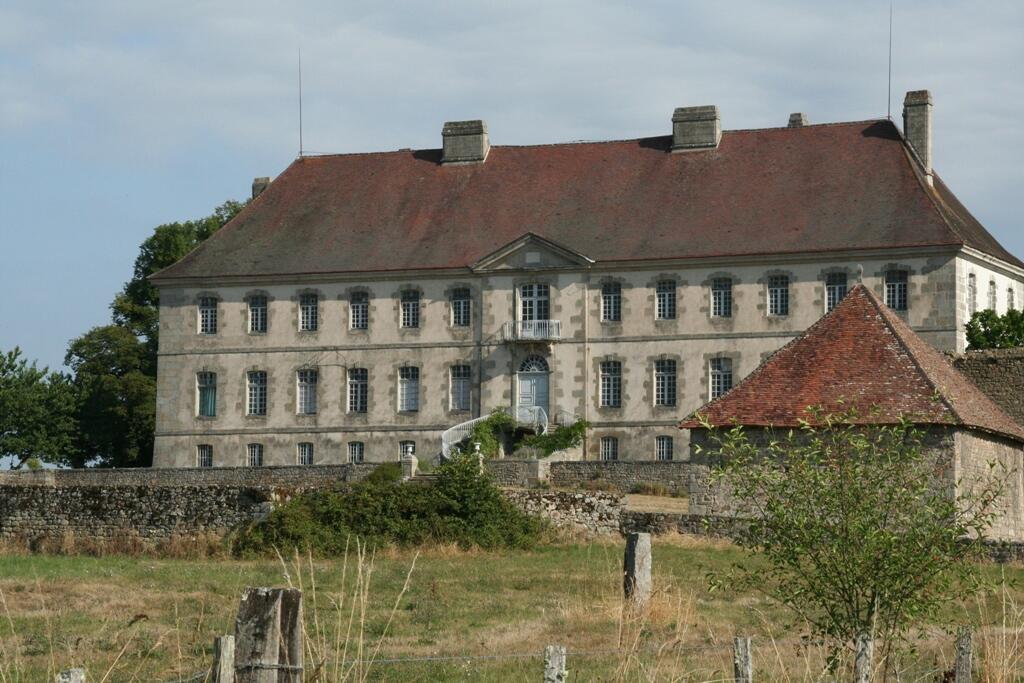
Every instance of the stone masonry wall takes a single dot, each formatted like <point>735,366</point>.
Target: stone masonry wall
<point>1000,374</point>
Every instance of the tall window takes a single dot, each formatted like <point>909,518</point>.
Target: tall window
<point>972,294</point>
<point>611,384</point>
<point>461,307</point>
<point>307,380</point>
<point>992,302</point>
<point>609,448</point>
<point>257,314</point>
<point>304,456</point>
<point>663,447</point>
<point>611,301</point>
<point>664,382</point>
<point>204,455</point>
<point>356,451</point>
<point>410,308</point>
<point>534,302</point>
<point>309,312</point>
<point>721,297</point>
<point>359,311</point>
<point>835,290</point>
<point>778,295</point>
<point>721,376</point>
<point>896,289</point>
<point>256,402</point>
<point>358,390</point>
<point>665,304</point>
<point>1011,299</point>
<point>207,315</point>
<point>255,453</point>
<point>406,448</point>
<point>408,389</point>
<point>206,384</point>
<point>462,387</point>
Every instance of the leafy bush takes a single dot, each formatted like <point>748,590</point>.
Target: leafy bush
<point>989,330</point>
<point>489,433</point>
<point>559,438</point>
<point>463,506</point>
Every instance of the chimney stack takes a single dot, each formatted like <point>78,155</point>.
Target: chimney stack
<point>258,185</point>
<point>465,142</point>
<point>917,127</point>
<point>696,128</point>
<point>798,120</point>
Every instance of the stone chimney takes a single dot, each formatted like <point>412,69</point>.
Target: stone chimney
<point>696,128</point>
<point>917,127</point>
<point>258,185</point>
<point>465,142</point>
<point>798,120</point>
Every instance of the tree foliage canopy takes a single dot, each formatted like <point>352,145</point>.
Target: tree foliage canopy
<point>989,330</point>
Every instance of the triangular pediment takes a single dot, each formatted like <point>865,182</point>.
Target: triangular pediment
<point>532,252</point>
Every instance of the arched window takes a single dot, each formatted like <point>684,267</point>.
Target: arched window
<point>534,364</point>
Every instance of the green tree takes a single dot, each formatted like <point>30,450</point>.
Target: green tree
<point>989,330</point>
<point>37,412</point>
<point>857,526</point>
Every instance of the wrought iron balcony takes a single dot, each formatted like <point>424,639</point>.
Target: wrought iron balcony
<point>531,330</point>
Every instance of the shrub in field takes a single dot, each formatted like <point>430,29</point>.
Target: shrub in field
<point>463,506</point>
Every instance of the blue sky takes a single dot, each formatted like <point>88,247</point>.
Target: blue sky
<point>118,115</point>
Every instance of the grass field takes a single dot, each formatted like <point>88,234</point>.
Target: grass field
<point>140,619</point>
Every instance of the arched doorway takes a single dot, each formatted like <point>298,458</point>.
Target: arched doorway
<point>533,384</point>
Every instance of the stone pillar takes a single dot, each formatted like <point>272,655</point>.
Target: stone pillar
<point>554,664</point>
<point>636,569</point>
<point>410,464</point>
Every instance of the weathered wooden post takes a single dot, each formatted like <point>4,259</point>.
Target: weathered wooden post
<point>636,569</point>
<point>223,660</point>
<point>742,661</point>
<point>71,676</point>
<point>268,636</point>
<point>862,661</point>
<point>964,655</point>
<point>554,664</point>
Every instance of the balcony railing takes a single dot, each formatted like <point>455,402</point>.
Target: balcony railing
<point>532,330</point>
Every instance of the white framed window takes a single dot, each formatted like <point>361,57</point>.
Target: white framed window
<point>896,289</point>
<point>611,384</point>
<point>257,314</point>
<point>665,382</point>
<point>304,453</point>
<point>256,392</point>
<point>406,448</point>
<point>204,455</point>
<point>408,389</point>
<point>410,308</point>
<point>665,300</point>
<point>835,290</point>
<point>609,448</point>
<point>309,312</point>
<point>993,302</point>
<point>206,394</point>
<point>721,297</point>
<point>778,295</point>
<point>358,390</point>
<point>664,447</point>
<point>207,315</point>
<point>721,376</point>
<point>254,451</point>
<point>462,307</point>
<point>306,381</point>
<point>1011,299</point>
<point>359,311</point>
<point>534,302</point>
<point>461,387</point>
<point>972,294</point>
<point>356,451</point>
<point>611,302</point>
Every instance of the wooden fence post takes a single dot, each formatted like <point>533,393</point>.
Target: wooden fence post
<point>964,655</point>
<point>268,636</point>
<point>71,676</point>
<point>554,664</point>
<point>742,661</point>
<point>223,660</point>
<point>636,569</point>
<point>862,661</point>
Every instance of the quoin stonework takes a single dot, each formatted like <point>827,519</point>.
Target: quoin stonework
<point>362,304</point>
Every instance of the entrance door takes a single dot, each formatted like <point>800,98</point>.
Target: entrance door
<point>533,386</point>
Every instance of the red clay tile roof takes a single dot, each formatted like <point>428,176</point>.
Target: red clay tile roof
<point>782,190</point>
<point>861,355</point>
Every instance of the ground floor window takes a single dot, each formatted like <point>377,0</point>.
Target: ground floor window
<point>609,448</point>
<point>255,452</point>
<point>204,455</point>
<point>356,451</point>
<point>305,454</point>
<point>406,448</point>
<point>663,447</point>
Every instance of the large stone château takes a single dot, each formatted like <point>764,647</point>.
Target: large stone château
<point>362,304</point>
